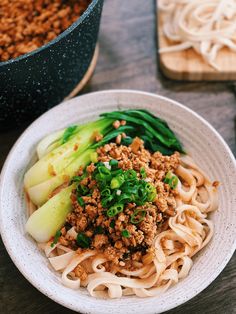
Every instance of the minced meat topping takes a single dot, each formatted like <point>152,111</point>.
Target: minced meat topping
<point>121,203</point>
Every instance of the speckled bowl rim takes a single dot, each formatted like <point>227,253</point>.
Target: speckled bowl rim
<point>55,40</point>
<point>57,108</point>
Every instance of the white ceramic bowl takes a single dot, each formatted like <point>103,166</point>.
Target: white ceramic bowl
<point>199,138</point>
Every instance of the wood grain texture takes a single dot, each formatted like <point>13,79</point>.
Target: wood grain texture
<point>127,59</point>
<point>190,66</point>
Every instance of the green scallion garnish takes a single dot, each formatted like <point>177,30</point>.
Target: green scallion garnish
<point>116,172</point>
<point>125,233</point>
<point>56,238</point>
<point>173,182</point>
<point>103,171</point>
<point>78,178</point>
<point>130,175</point>
<point>171,179</point>
<point>105,192</point>
<point>83,241</point>
<point>151,192</point>
<point>82,190</point>
<point>113,163</point>
<point>80,201</point>
<point>138,216</point>
<point>168,177</point>
<point>117,181</point>
<point>118,187</point>
<point>106,201</point>
<point>143,173</point>
<point>115,209</point>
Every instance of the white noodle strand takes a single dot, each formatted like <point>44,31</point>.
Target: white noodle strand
<point>205,25</point>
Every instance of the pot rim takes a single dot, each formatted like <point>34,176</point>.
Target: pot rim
<point>55,40</point>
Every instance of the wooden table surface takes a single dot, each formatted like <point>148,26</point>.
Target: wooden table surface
<point>128,59</point>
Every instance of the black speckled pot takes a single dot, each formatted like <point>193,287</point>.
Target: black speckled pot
<point>34,82</point>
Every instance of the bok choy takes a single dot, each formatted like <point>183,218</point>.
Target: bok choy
<point>39,193</point>
<point>59,158</point>
<point>46,220</point>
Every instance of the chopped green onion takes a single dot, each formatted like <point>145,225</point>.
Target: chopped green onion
<point>99,164</point>
<point>56,238</point>
<point>106,192</point>
<point>82,190</point>
<point>115,209</point>
<point>149,187</point>
<point>151,192</point>
<point>132,190</point>
<point>122,186</point>
<point>116,172</point>
<point>141,193</point>
<point>119,207</point>
<point>80,201</point>
<point>103,170</point>
<point>117,182</point>
<point>77,178</point>
<point>125,233</point>
<point>130,174</point>
<point>111,212</point>
<point>113,162</point>
<point>105,201</point>
<point>134,217</point>
<point>173,182</point>
<point>143,173</point>
<point>152,196</point>
<point>83,241</point>
<point>168,177</point>
<point>124,198</point>
<point>171,179</point>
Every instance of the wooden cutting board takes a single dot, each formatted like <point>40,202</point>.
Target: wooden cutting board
<point>188,65</point>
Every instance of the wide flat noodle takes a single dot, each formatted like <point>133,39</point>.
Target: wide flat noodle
<point>204,25</point>
<point>189,231</point>
<point>61,261</point>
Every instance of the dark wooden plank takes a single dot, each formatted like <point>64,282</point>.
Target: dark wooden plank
<point>128,60</point>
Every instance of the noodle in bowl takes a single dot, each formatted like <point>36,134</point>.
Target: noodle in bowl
<point>193,221</point>
<point>189,231</point>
